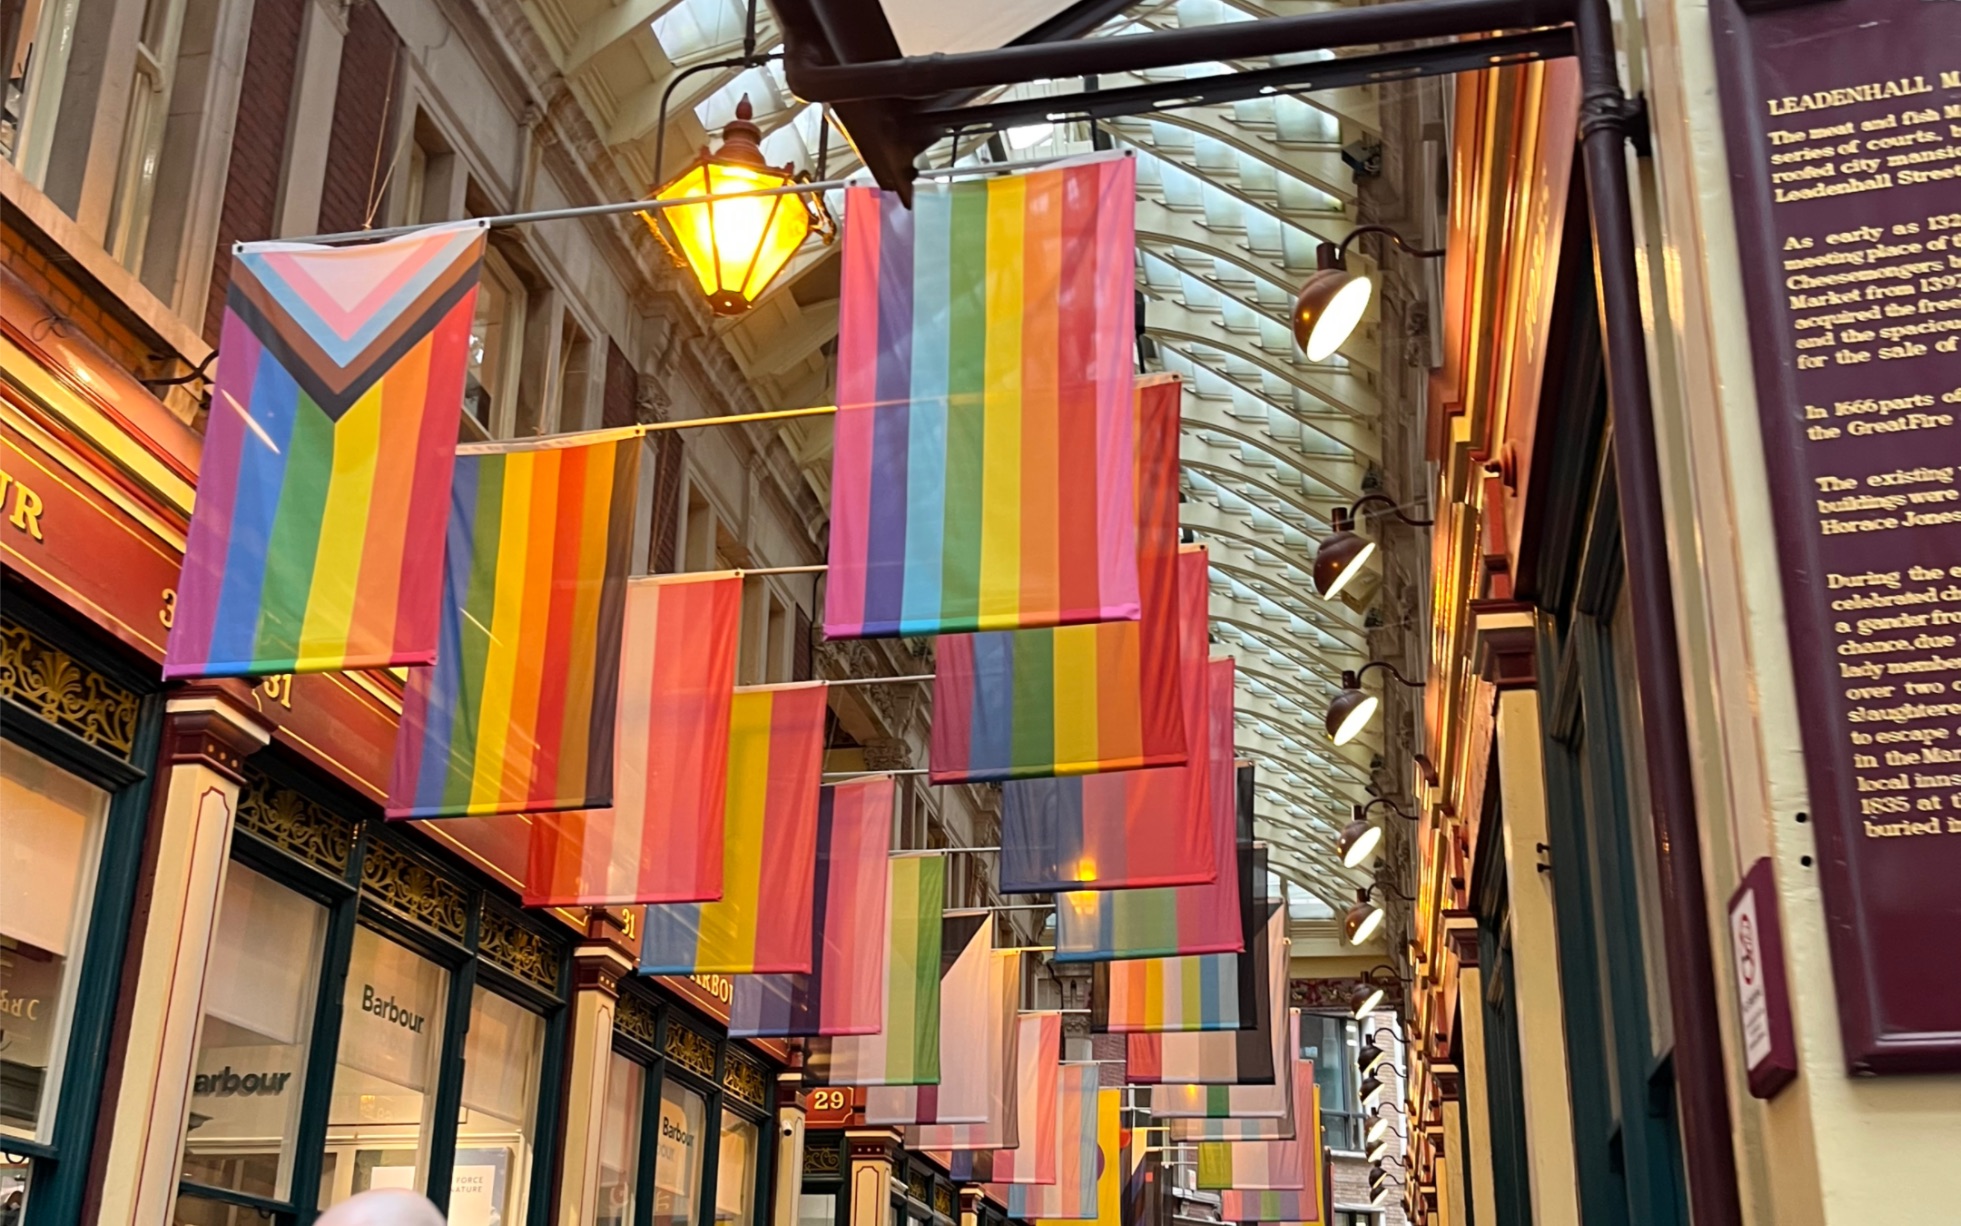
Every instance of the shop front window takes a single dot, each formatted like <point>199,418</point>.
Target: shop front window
<point>735,1172</point>
<point>250,1081</point>
<point>501,1071</point>
<point>619,1140</point>
<point>51,825</point>
<point>677,1170</point>
<point>391,1040</point>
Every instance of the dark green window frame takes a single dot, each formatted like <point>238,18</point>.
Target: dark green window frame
<point>667,1041</point>
<point>294,827</point>
<point>58,1182</point>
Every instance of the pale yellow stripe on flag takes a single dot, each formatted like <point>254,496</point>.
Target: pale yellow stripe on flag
<point>728,928</point>
<point>1076,698</point>
<point>1000,562</point>
<point>337,568</point>
<point>500,664</point>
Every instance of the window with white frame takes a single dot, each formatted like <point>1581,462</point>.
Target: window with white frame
<point>36,37</point>
<point>496,347</point>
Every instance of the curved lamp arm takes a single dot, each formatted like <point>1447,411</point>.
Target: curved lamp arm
<point>1389,505</point>
<point>1425,253</point>
<point>1385,666</point>
<point>1393,807</point>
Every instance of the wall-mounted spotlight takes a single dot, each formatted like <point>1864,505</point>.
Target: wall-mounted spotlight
<point>1339,556</point>
<point>1354,707</point>
<point>1379,1123</point>
<point>1367,994</point>
<point>1358,840</point>
<point>1373,1082</point>
<point>1332,302</point>
<point>1365,916</point>
<point>1379,1181</point>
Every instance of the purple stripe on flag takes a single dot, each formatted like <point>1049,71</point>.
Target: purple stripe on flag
<point>885,572</point>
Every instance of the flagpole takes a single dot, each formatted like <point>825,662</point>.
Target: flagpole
<point>851,681</point>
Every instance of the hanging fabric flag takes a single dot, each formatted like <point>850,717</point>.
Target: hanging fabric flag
<point>1195,992</point>
<point>1106,1199</point>
<point>1231,1113</point>
<point>1017,1092</point>
<point>1076,700</point>
<point>1088,1133</point>
<point>1261,1165</point>
<point>971,1031</point>
<point>1100,925</point>
<point>981,477</point>
<point>762,923</point>
<point>316,544</point>
<point>907,1050</point>
<point>1130,829</point>
<point>1031,1156</point>
<point>841,993</point>
<point>518,714</point>
<point>1242,1057</point>
<point>1303,1205</point>
<point>662,838</point>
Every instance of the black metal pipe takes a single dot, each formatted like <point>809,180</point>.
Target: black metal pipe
<point>1606,115</point>
<point>1344,71</point>
<point>922,76</point>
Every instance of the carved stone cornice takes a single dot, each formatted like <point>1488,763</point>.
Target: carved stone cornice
<point>598,966</point>
<point>873,1144</point>
<point>1505,644</point>
<point>1449,1081</point>
<point>1461,936</point>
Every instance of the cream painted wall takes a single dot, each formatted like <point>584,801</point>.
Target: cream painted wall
<point>1830,1149</point>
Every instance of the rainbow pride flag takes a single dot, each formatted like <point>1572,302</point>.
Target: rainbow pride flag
<point>1078,700</point>
<point>1131,829</point>
<point>518,714</point>
<point>1197,991</point>
<point>972,1106</point>
<point>763,921</point>
<point>1262,1165</point>
<point>981,475</point>
<point>1099,925</point>
<point>1242,1057</point>
<point>841,993</point>
<point>907,1050</point>
<point>663,836</point>
<point>315,545</point>
<point>1028,1154</point>
<point>1231,1112</point>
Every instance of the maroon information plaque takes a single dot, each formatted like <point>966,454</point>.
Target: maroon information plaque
<point>1844,125</point>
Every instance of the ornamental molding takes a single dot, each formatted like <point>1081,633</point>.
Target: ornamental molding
<point>505,941</point>
<point>691,1050</point>
<point>635,1018</point>
<point>823,1160</point>
<point>294,824</point>
<point>66,693</point>
<point>744,1078</point>
<point>415,891</point>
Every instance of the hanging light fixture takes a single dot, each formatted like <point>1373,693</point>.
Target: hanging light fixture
<point>1334,299</point>
<point>1353,708</point>
<point>1357,841</point>
<point>1362,919</point>
<point>733,240</point>
<point>1340,555</point>
<point>1366,1058</point>
<point>1379,1122</point>
<point>1363,998</point>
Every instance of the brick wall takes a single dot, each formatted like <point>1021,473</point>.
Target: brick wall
<point>51,280</point>
<point>358,147</point>
<point>265,101</point>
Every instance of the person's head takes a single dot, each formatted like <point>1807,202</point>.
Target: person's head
<point>383,1207</point>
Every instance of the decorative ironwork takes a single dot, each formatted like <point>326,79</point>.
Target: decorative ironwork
<point>414,891</point>
<point>294,824</point>
<point>636,1019</point>
<point>745,1079</point>
<point>526,953</point>
<point>920,1184</point>
<point>943,1199</point>
<point>65,692</point>
<point>691,1050</point>
<point>823,1160</point>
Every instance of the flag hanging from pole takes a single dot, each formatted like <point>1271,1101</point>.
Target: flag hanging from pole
<point>841,994</point>
<point>316,543</point>
<point>981,476</point>
<point>1015,1093</point>
<point>1030,1157</point>
<point>1077,700</point>
<point>663,836</point>
<point>1099,925</point>
<point>1197,991</point>
<point>1231,1112</point>
<point>907,1050</point>
<point>518,715</point>
<point>1129,829</point>
<point>1262,1165</point>
<point>763,920</point>
<point>968,1026</point>
<point>1089,1133</point>
<point>1243,1057</point>
<point>1301,1206</point>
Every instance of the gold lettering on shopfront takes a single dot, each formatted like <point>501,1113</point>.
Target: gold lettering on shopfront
<point>21,505</point>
